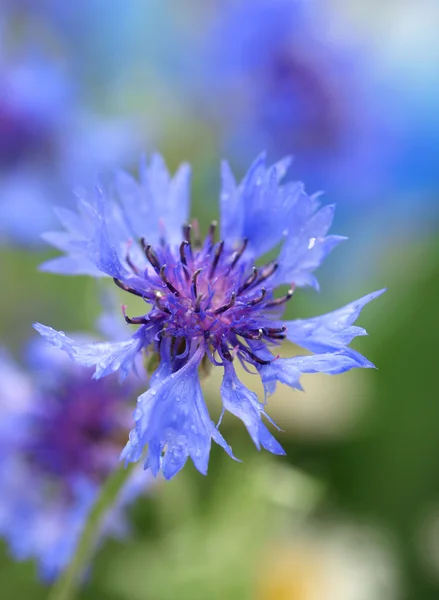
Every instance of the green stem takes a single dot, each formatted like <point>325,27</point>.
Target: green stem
<point>67,584</point>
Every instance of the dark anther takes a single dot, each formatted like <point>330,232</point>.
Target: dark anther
<point>158,296</point>
<point>271,330</point>
<point>198,303</point>
<point>249,335</point>
<point>150,255</point>
<point>133,320</point>
<point>253,356</point>
<point>249,281</point>
<point>127,288</point>
<point>239,253</point>
<point>212,229</point>
<point>225,351</point>
<point>267,271</point>
<point>182,251</point>
<point>218,252</point>
<point>194,282</point>
<point>229,304</point>
<point>275,333</point>
<point>167,282</point>
<point>280,301</point>
<point>259,298</point>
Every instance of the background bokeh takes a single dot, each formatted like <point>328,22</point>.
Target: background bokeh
<point>351,89</point>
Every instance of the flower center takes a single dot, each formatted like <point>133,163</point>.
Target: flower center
<point>206,291</point>
<point>79,430</point>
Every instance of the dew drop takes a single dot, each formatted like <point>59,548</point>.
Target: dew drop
<point>133,437</point>
<point>176,454</point>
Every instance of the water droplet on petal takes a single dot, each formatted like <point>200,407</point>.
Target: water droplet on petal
<point>133,437</point>
<point>138,414</point>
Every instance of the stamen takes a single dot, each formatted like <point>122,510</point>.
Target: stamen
<point>239,253</point>
<point>212,229</point>
<point>259,298</point>
<point>158,296</point>
<point>198,303</point>
<point>275,333</point>
<point>249,281</point>
<point>249,335</point>
<point>267,271</point>
<point>218,252</point>
<point>182,251</point>
<point>272,330</point>
<point>167,282</point>
<point>229,304</point>
<point>133,320</point>
<point>194,282</point>
<point>127,288</point>
<point>280,301</point>
<point>150,255</point>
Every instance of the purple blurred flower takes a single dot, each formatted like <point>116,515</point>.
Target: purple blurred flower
<point>209,304</point>
<point>284,75</point>
<point>60,438</point>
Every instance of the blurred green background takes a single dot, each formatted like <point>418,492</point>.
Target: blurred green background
<point>352,511</point>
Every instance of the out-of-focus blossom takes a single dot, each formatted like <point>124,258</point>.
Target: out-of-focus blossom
<point>287,76</point>
<point>209,303</point>
<point>46,134</point>
<point>60,438</point>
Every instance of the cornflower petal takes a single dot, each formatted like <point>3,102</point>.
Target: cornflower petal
<point>244,404</point>
<point>172,419</point>
<point>258,208</point>
<point>107,357</point>
<point>333,331</point>
<point>290,370</point>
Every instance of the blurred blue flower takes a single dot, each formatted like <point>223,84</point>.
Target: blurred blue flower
<point>209,302</point>
<point>60,437</point>
<point>47,134</point>
<point>289,75</point>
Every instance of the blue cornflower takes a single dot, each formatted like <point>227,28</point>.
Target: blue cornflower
<point>61,434</point>
<point>209,302</point>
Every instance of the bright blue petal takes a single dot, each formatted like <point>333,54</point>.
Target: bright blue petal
<point>173,421</point>
<point>157,206</point>
<point>290,370</point>
<point>331,332</point>
<point>107,357</point>
<point>259,208</point>
<point>306,246</point>
<point>244,404</point>
<point>97,238</point>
